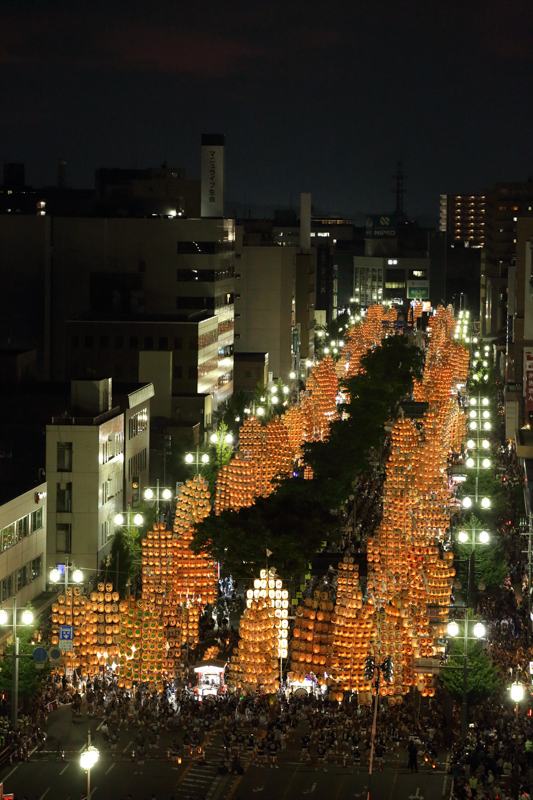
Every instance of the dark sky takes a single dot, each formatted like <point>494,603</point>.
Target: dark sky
<point>320,97</point>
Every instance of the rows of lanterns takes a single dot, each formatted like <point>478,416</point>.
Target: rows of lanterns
<point>409,572</point>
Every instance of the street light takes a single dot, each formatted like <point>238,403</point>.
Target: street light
<point>27,619</point>
<point>55,575</point>
<point>88,759</point>
<point>160,494</point>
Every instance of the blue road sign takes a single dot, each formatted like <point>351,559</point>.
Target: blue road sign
<point>40,654</point>
<point>55,654</point>
<point>66,633</point>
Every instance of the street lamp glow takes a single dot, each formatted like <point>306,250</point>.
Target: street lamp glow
<point>467,502</point>
<point>471,444</point>
<point>484,537</point>
<point>214,438</point>
<point>453,628</point>
<point>473,415</point>
<point>260,411</point>
<point>470,462</point>
<point>189,458</point>
<point>285,390</point>
<point>138,519</point>
<point>485,443</point>
<point>486,414</point>
<point>473,426</point>
<point>119,519</point>
<point>473,401</point>
<point>485,401</point>
<point>77,576</point>
<point>3,617</point>
<point>479,630</point>
<point>485,502</point>
<point>517,692</point>
<point>486,463</point>
<point>486,426</point>
<point>148,493</point>
<point>167,494</point>
<point>27,616</point>
<point>463,536</point>
<point>308,363</point>
<point>89,758</point>
<point>292,376</point>
<point>55,576</point>
<point>205,458</point>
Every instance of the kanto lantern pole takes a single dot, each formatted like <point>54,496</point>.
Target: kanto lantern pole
<point>373,735</point>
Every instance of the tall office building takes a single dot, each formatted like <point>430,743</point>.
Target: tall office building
<point>462,218</point>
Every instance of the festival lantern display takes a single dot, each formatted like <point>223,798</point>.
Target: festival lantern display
<point>312,636</point>
<point>264,629</point>
<point>96,623</point>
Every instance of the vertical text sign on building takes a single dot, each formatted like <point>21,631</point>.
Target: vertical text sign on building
<point>528,377</point>
<point>212,188</point>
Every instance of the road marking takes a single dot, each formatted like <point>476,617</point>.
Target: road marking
<point>127,746</point>
<point>82,748</point>
<point>259,789</point>
<point>339,790</point>
<point>93,790</point>
<point>11,773</point>
<point>445,775</point>
<point>102,722</point>
<point>45,793</point>
<point>110,768</point>
<point>311,790</point>
<point>393,784</point>
<point>64,769</point>
<point>416,796</point>
<point>289,786</point>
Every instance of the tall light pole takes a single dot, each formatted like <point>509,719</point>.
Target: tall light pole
<point>77,575</point>
<point>479,633</point>
<point>198,459</point>
<point>152,492</point>
<point>27,619</point>
<point>88,759</point>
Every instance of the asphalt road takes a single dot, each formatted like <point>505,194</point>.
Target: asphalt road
<point>116,776</point>
<point>337,783</point>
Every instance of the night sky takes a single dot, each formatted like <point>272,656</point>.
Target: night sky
<point>320,97</point>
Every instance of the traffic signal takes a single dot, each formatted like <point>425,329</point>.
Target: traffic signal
<point>388,669</point>
<point>370,665</point>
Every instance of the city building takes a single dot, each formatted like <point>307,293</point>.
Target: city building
<point>462,217</point>
<point>94,451</point>
<point>23,520</point>
<point>396,264</point>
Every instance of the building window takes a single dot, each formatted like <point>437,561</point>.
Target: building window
<point>7,587</point>
<point>23,528</point>
<point>89,342</point>
<point>64,498</point>
<point>119,342</point>
<point>64,456</point>
<point>36,568</point>
<point>177,372</point>
<point>418,273</point>
<point>163,342</point>
<point>178,343</point>
<point>63,537</point>
<point>9,537</point>
<point>134,342</point>
<point>395,285</point>
<point>137,463</point>
<point>138,423</point>
<point>104,342</point>
<point>36,519</point>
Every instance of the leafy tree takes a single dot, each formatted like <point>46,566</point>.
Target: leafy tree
<point>482,676</point>
<point>231,412</point>
<point>219,453</point>
<point>291,523</point>
<point>29,676</point>
<point>294,520</point>
<point>372,396</point>
<point>491,560</point>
